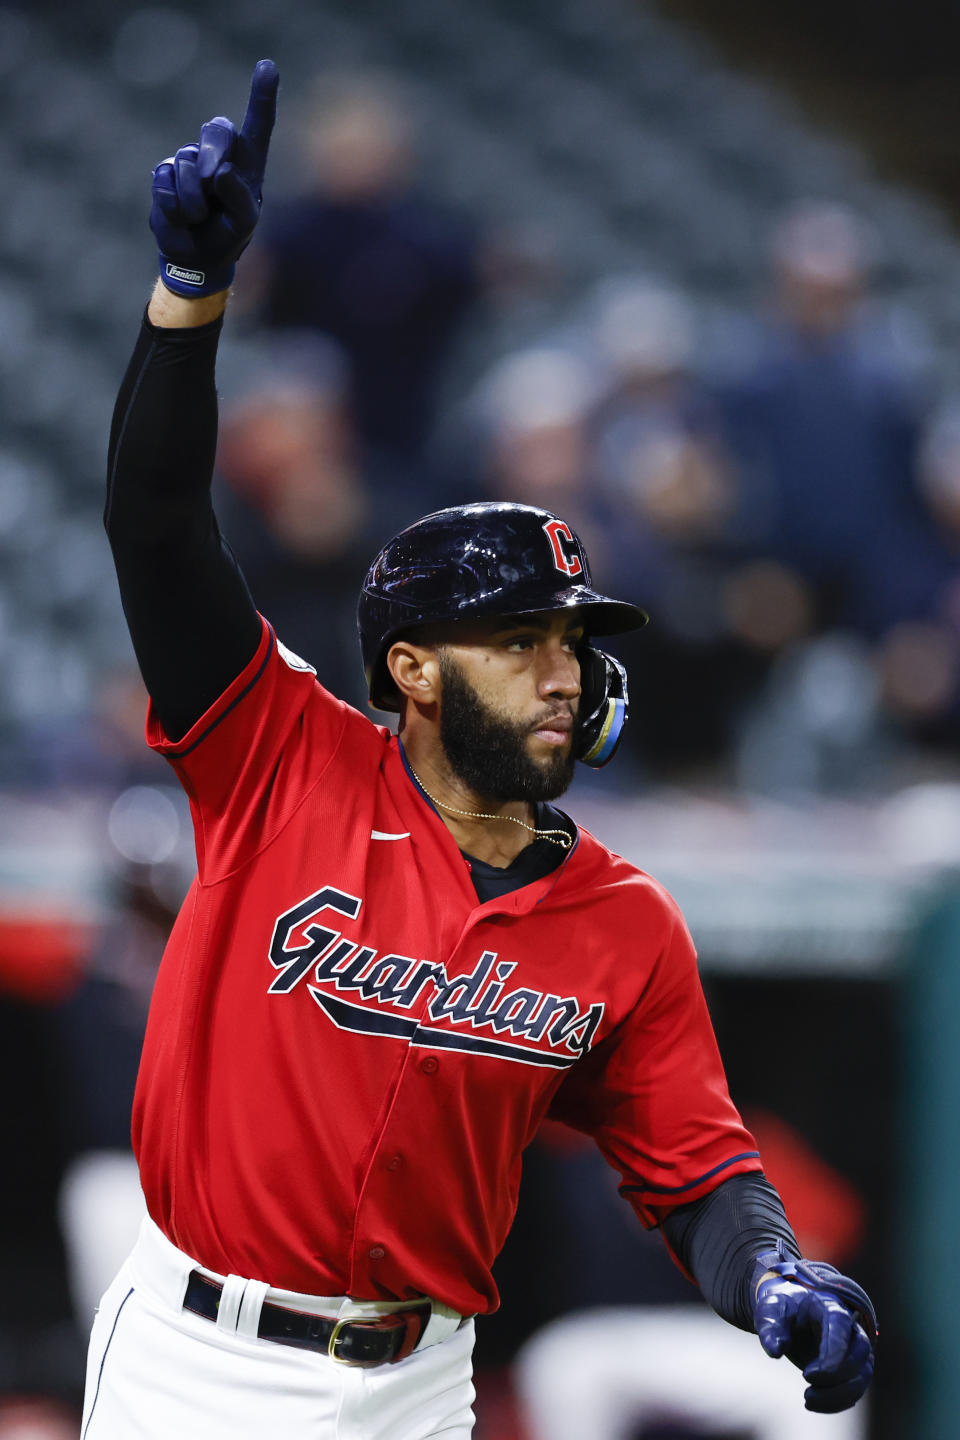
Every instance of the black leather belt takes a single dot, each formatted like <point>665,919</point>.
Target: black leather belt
<point>382,1341</point>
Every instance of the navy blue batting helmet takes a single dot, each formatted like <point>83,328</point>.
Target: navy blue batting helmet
<point>491,559</point>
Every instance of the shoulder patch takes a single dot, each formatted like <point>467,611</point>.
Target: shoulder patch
<point>294,661</point>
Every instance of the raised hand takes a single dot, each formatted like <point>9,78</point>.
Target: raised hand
<point>207,197</point>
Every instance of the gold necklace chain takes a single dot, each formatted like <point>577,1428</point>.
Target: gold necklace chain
<point>565,842</point>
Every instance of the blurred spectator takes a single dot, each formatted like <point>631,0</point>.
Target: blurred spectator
<point>296,507</point>
<point>536,407</point>
<point>660,453</point>
<point>364,257</point>
<point>805,606</point>
<point>826,421</point>
<point>659,460</point>
<point>613,430</point>
<point>671,491</point>
<point>104,750</point>
<point>939,471</point>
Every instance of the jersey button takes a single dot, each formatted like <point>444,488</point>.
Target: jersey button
<point>430,1065</point>
<point>395,1162</point>
<point>376,1252</point>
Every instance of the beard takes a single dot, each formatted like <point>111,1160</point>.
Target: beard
<point>488,751</point>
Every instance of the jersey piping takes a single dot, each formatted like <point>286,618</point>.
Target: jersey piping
<point>691,1184</point>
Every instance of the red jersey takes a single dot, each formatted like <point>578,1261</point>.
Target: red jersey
<point>347,1052</point>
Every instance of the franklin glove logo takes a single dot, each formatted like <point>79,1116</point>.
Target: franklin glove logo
<point>186,277</point>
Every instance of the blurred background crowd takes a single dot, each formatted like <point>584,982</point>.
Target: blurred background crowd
<point>551,252</point>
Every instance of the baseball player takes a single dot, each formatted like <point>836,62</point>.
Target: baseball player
<point>398,955</point>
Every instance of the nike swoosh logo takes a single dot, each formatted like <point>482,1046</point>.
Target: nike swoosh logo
<point>385,835</point>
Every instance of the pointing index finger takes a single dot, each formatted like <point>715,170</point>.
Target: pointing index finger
<point>261,107</point>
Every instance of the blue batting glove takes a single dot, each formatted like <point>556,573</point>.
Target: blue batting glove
<point>206,198</point>
<point>822,1321</point>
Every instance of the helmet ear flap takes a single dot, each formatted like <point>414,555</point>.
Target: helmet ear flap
<point>604,706</point>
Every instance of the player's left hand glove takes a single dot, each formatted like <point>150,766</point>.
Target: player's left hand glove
<point>206,198</point>
<point>822,1321</point>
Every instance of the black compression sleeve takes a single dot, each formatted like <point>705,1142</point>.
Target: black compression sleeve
<point>192,621</point>
<point>719,1237</point>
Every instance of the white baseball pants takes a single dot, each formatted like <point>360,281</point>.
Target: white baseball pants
<point>158,1372</point>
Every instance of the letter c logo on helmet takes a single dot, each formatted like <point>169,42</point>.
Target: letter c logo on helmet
<point>566,559</point>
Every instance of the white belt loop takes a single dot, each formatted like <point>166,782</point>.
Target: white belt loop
<point>442,1324</point>
<point>228,1311</point>
<point>251,1302</point>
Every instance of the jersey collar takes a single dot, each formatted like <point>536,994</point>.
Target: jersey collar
<point>517,901</point>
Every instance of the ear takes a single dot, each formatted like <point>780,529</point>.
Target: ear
<point>415,670</point>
